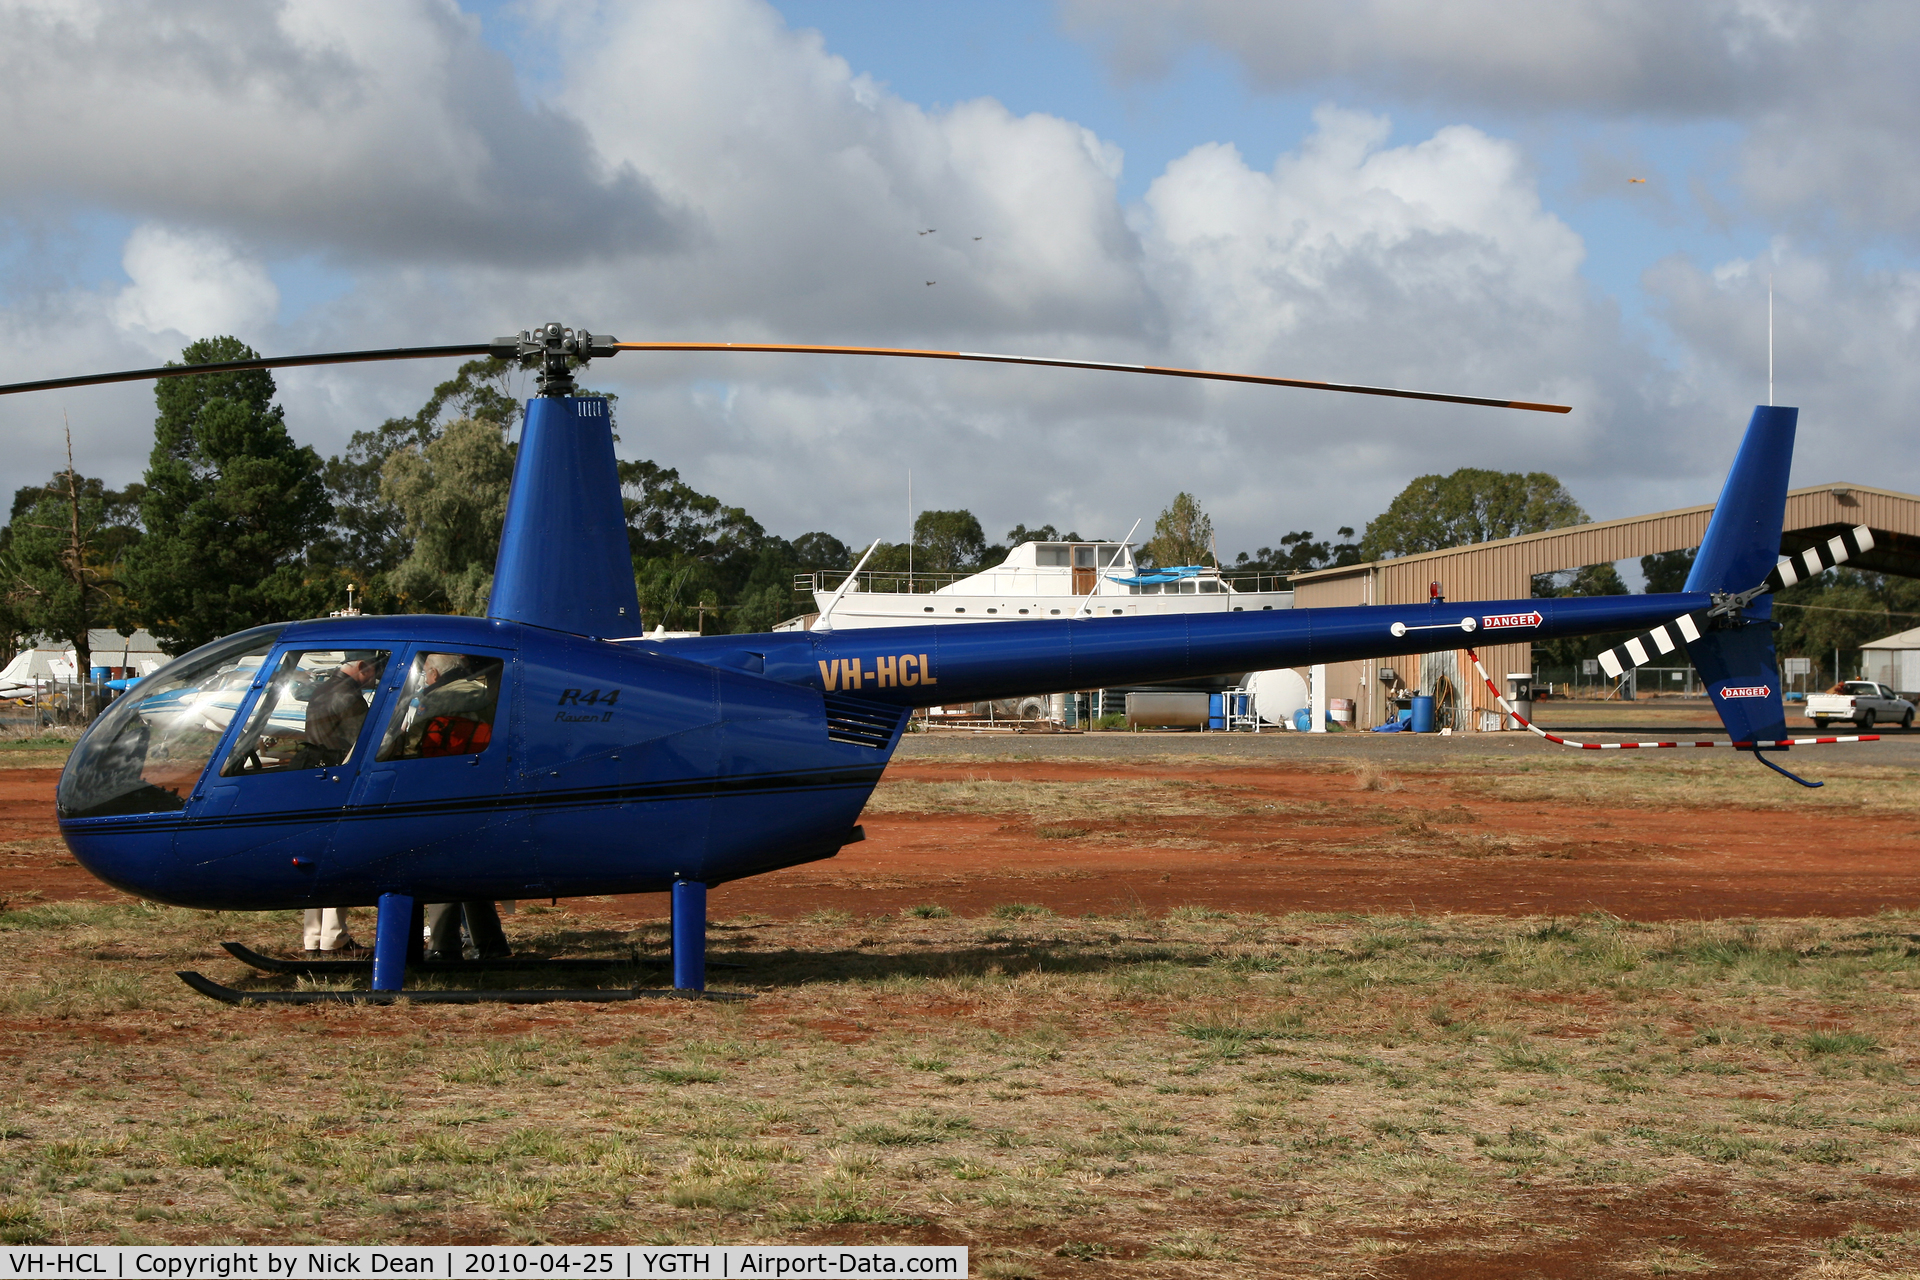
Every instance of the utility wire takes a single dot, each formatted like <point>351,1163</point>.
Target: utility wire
<point>1827,608</point>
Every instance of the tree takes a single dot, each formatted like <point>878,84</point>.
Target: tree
<point>62,559</point>
<point>666,517</point>
<point>15,633</point>
<point>1182,535</point>
<point>370,539</point>
<point>1045,533</point>
<point>1589,580</point>
<point>1299,553</point>
<point>1842,609</point>
<point>821,551</point>
<point>1470,505</point>
<point>452,497</point>
<point>1666,571</point>
<point>677,594</point>
<point>232,506</point>
<point>948,542</point>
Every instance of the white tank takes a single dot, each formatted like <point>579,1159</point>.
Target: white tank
<point>1277,694</point>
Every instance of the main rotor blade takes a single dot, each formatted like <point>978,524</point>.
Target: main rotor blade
<point>236,366</point>
<point>988,357</point>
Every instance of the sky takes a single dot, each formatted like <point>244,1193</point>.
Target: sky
<point>1393,192</point>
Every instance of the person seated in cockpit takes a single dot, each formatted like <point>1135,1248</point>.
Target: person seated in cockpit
<point>338,708</point>
<point>454,715</point>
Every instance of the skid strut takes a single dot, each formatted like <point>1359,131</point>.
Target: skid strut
<point>397,947</point>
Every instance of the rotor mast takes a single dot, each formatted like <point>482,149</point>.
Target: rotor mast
<point>552,350</point>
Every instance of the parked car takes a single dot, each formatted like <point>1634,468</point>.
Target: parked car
<point>1864,702</point>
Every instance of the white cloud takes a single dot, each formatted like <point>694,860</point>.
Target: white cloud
<point>1846,351</point>
<point>383,130</point>
<point>809,187</point>
<point>191,285</point>
<point>798,189</point>
<point>1634,56</point>
<point>1822,92</point>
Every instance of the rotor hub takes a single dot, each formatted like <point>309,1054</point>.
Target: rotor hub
<point>553,350</point>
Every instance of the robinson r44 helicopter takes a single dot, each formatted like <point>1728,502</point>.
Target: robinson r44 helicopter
<point>550,749</point>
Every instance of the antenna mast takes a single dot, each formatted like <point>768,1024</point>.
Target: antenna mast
<point>1769,337</point>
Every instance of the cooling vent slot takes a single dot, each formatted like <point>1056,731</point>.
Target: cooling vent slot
<point>863,724</point>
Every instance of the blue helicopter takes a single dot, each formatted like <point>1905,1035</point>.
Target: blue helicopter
<point>550,749</point>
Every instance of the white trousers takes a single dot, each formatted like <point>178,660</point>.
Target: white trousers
<point>326,928</point>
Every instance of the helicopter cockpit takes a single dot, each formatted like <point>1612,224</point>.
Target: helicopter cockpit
<point>147,751</point>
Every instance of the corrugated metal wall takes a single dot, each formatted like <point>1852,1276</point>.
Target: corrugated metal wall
<point>1504,570</point>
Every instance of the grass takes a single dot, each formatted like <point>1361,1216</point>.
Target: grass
<point>23,746</point>
<point>1684,782</point>
<point>1202,1093</point>
<point>1105,800</point>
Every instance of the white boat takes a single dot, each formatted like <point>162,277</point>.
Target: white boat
<point>1038,581</point>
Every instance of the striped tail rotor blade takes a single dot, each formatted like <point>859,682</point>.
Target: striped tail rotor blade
<point>1642,649</point>
<point>1820,557</point>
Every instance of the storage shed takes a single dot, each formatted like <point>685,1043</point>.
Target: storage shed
<point>1895,661</point>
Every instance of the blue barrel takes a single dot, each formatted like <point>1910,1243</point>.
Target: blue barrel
<point>1303,719</point>
<point>1423,713</point>
<point>103,673</point>
<point>1216,711</point>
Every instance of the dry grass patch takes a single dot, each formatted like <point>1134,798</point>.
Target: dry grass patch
<point>1203,1093</point>
<point>1061,804</point>
<point>26,748</point>
<point>1684,783</point>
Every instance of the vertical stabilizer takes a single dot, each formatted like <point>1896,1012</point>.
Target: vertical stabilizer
<point>563,553</point>
<point>1743,538</point>
<point>1741,547</point>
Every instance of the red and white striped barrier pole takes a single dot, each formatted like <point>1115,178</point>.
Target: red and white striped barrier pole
<point>1530,727</point>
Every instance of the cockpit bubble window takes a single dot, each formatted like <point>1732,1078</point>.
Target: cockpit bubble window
<point>446,707</point>
<point>310,714</point>
<point>146,752</point>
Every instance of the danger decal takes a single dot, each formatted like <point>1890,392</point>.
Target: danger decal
<point>1746,691</point>
<point>1494,621</point>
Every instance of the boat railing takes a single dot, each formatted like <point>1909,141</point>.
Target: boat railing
<point>899,582</point>
<point>876,581</point>
<point>1237,582</point>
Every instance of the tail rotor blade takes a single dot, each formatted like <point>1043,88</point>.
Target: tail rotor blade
<point>1818,558</point>
<point>1687,628</point>
<point>1662,640</point>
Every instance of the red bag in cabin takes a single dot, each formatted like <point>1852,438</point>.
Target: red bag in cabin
<point>455,736</point>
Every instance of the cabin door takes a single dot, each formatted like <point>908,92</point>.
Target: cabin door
<point>1085,575</point>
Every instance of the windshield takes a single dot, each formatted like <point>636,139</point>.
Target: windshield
<point>146,751</point>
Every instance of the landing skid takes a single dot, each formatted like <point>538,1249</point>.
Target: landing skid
<point>517,964</point>
<point>590,995</point>
<point>397,941</point>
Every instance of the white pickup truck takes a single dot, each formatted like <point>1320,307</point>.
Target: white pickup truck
<point>1861,701</point>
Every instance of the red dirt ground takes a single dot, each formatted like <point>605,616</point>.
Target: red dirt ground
<point>1644,864</point>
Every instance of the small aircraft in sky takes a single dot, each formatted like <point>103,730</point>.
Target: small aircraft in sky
<point>552,749</point>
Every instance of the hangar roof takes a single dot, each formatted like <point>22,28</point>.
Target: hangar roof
<point>1504,569</point>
